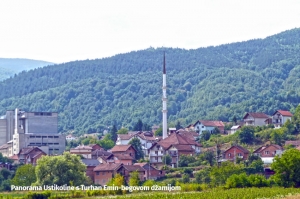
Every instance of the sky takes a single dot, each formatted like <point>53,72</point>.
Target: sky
<point>66,30</point>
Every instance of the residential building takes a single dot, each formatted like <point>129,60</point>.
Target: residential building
<point>71,138</point>
<point>268,151</point>
<point>6,149</point>
<point>103,173</point>
<point>280,117</point>
<point>100,153</point>
<point>84,151</point>
<point>234,152</point>
<point>294,143</point>
<point>234,129</point>
<point>125,159</point>
<point>190,127</point>
<point>207,125</point>
<point>146,138</point>
<point>174,145</point>
<point>30,155</point>
<point>90,166</point>
<point>123,149</point>
<point>255,119</point>
<point>151,173</point>
<point>126,170</point>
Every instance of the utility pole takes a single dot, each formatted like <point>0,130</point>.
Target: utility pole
<point>217,155</point>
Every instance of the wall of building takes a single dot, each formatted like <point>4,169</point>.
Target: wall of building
<point>102,177</point>
<point>3,134</point>
<point>40,122</point>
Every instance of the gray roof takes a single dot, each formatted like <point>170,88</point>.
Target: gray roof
<point>90,162</point>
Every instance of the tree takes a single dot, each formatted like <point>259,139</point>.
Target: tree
<point>296,118</point>
<point>278,135</point>
<point>205,135</point>
<point>106,142</point>
<point>167,159</point>
<point>122,131</point>
<point>234,120</point>
<point>178,125</point>
<point>220,174</point>
<point>246,134</point>
<point>134,179</point>
<point>25,175</point>
<point>158,132</point>
<point>60,170</point>
<point>113,133</point>
<point>136,143</point>
<point>290,127</point>
<point>184,160</point>
<point>138,126</point>
<point>287,168</point>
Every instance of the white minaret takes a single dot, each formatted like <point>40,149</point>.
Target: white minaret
<point>164,99</point>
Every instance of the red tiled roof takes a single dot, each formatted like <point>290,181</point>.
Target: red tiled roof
<point>101,152</point>
<point>212,123</point>
<point>176,138</point>
<point>132,168</point>
<point>125,136</point>
<point>284,113</point>
<point>240,148</point>
<point>293,142</point>
<point>124,157</point>
<point>14,157</point>
<point>27,150</point>
<point>256,115</point>
<point>180,147</point>
<point>107,167</point>
<point>121,148</point>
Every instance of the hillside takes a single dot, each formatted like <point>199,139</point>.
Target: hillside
<point>206,83</point>
<point>11,66</point>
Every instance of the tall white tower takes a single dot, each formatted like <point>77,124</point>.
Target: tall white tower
<point>164,99</point>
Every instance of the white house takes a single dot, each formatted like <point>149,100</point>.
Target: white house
<point>206,125</point>
<point>255,119</point>
<point>234,129</point>
<point>280,117</point>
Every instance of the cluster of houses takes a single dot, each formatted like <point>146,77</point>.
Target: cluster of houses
<point>103,165</point>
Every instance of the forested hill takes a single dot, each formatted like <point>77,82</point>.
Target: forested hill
<point>12,66</point>
<point>206,83</point>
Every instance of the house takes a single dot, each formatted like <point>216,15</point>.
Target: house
<point>146,138</point>
<point>100,153</point>
<point>172,130</point>
<point>85,151</point>
<point>268,151</point>
<point>151,172</point>
<point>124,149</point>
<point>90,165</point>
<point>6,149</point>
<point>95,147</point>
<point>126,170</point>
<point>175,142</point>
<point>190,127</point>
<point>30,155</point>
<point>190,134</point>
<point>71,137</point>
<point>125,159</point>
<point>235,152</point>
<point>234,129</point>
<point>294,143</point>
<point>255,119</point>
<point>103,173</point>
<point>280,117</point>
<point>207,125</point>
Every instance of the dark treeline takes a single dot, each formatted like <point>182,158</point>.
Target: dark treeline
<point>208,83</point>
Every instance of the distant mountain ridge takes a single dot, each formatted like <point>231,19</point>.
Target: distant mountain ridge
<point>213,83</point>
<point>11,66</point>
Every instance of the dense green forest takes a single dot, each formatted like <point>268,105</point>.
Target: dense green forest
<point>11,66</point>
<point>217,82</point>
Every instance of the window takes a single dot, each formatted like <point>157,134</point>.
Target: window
<point>103,173</point>
<point>203,127</point>
<point>229,154</point>
<point>239,154</point>
<point>38,136</point>
<point>55,136</point>
<point>156,152</point>
<point>97,173</point>
<point>266,152</point>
